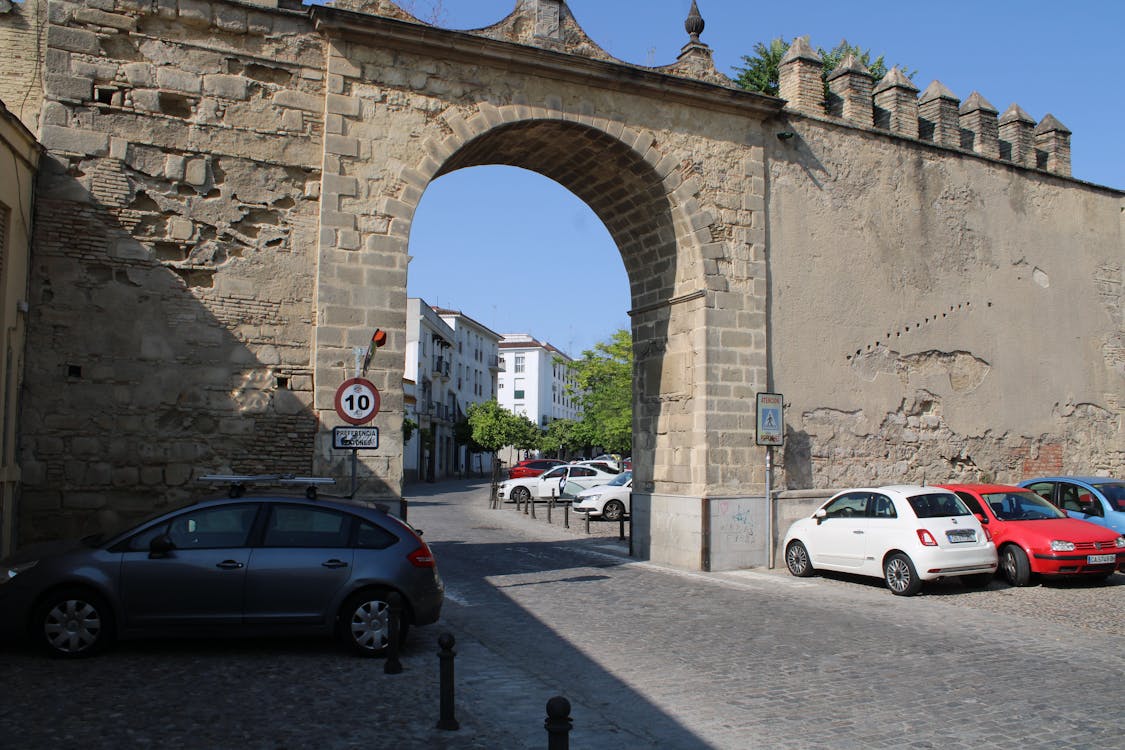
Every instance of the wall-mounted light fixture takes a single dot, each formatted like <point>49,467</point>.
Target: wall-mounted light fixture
<point>785,135</point>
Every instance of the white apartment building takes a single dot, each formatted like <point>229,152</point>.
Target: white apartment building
<point>473,378</point>
<point>451,362</point>
<point>534,380</point>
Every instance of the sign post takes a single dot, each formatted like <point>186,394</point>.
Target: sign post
<point>357,402</point>
<point>770,431</point>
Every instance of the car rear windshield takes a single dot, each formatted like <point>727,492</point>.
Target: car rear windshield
<point>937,505</point>
<point>1115,493</point>
<point>1020,506</point>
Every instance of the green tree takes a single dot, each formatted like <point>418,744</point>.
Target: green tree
<point>604,392</point>
<point>492,427</point>
<point>563,437</point>
<point>761,71</point>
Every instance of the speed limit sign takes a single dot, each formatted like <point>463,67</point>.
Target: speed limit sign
<point>357,401</point>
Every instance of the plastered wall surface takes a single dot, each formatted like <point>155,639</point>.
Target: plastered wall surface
<point>938,317</point>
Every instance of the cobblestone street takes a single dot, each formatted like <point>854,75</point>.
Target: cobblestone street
<point>649,658</point>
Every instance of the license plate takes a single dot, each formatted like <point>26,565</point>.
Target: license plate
<point>1100,559</point>
<point>958,536</point>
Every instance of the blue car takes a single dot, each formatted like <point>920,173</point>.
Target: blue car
<point>1099,500</point>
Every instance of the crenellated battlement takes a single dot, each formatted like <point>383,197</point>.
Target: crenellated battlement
<point>936,115</point>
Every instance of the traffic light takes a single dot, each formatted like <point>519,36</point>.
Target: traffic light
<point>378,339</point>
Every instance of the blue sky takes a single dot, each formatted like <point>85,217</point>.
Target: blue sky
<point>519,253</point>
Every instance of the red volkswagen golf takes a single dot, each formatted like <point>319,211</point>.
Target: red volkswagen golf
<point>533,467</point>
<point>1034,537</point>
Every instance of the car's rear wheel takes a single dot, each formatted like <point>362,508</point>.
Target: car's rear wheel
<point>1015,566</point>
<point>614,510</point>
<point>73,623</point>
<point>901,577</point>
<point>521,494</point>
<point>365,623</point>
<point>797,560</point>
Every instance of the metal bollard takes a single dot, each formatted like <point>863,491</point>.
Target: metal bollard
<point>558,723</point>
<point>446,718</point>
<point>394,606</point>
<point>403,508</point>
<point>527,505</point>
<point>621,527</point>
<point>532,502</point>
<point>566,516</point>
<point>551,506</point>
<point>587,522</point>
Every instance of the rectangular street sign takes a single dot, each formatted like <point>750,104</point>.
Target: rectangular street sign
<point>771,419</point>
<point>356,438</point>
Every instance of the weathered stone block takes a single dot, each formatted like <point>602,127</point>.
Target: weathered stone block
<point>226,86</point>
<point>72,140</point>
<point>298,100</point>
<point>101,18</point>
<point>69,88</point>
<point>73,40</point>
<point>178,80</point>
<point>195,13</point>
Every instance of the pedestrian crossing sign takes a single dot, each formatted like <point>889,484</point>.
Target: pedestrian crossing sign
<point>771,419</point>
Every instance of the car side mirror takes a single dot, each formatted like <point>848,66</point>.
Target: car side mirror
<point>820,515</point>
<point>982,518</point>
<point>160,546</point>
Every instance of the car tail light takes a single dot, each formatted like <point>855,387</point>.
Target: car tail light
<point>422,557</point>
<point>926,538</point>
<point>987,533</point>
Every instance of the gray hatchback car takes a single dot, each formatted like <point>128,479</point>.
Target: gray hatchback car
<point>245,565</point>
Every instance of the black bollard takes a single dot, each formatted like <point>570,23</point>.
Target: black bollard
<point>394,606</point>
<point>587,522</point>
<point>551,506</point>
<point>621,527</point>
<point>532,502</point>
<point>402,508</point>
<point>446,719</point>
<point>566,516</point>
<point>558,723</point>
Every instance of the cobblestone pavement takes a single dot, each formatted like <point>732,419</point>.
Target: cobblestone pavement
<point>649,658</point>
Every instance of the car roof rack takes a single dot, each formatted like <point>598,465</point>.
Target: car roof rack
<point>239,482</point>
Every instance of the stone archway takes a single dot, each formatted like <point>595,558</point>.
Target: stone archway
<point>648,198</point>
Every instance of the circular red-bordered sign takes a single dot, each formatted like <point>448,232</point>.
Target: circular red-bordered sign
<point>357,401</point>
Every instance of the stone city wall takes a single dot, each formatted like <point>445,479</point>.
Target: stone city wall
<point>175,256</point>
<point>939,316</point>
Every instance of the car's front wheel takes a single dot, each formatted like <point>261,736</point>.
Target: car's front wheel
<point>365,623</point>
<point>797,560</point>
<point>614,510</point>
<point>1015,566</point>
<point>73,623</point>
<point>901,577</point>
<point>521,494</point>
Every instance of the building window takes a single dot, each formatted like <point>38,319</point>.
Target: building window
<point>519,363</point>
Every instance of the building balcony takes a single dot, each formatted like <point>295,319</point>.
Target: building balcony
<point>441,367</point>
<point>496,364</point>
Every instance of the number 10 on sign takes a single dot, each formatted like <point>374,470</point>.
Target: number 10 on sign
<point>357,401</point>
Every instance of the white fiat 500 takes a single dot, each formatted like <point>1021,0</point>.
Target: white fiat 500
<point>905,534</point>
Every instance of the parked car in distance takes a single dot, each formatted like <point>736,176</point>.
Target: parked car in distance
<point>533,467</point>
<point>246,565</point>
<point>904,534</point>
<point>1099,500</point>
<point>609,467</point>
<point>1033,537</point>
<point>610,501</point>
<point>555,482</point>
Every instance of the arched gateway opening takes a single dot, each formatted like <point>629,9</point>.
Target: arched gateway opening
<point>681,196</point>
